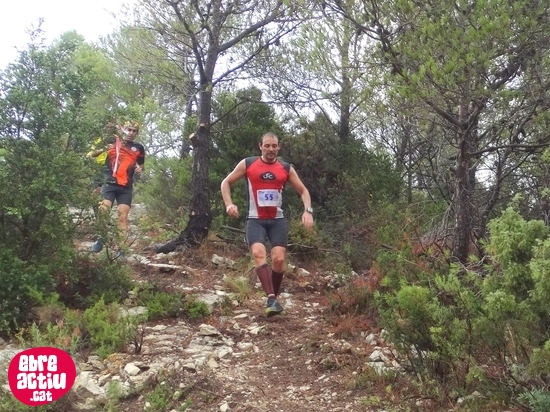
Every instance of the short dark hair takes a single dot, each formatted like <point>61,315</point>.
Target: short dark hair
<point>269,134</point>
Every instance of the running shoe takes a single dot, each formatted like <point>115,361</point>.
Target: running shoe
<point>273,307</point>
<point>97,246</point>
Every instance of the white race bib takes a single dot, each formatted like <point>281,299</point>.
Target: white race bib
<point>268,197</point>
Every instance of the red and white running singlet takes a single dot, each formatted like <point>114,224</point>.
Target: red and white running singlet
<point>264,184</point>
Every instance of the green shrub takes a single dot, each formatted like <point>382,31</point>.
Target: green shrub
<point>167,191</point>
<point>8,402</point>
<point>196,309</point>
<point>161,304</point>
<point>94,279</point>
<point>160,398</point>
<point>538,400</point>
<point>433,322</point>
<point>240,286</point>
<point>512,246</point>
<point>108,331</point>
<point>305,244</point>
<point>65,334</point>
<point>451,323</point>
<point>18,279</point>
<point>114,394</point>
<point>540,360</point>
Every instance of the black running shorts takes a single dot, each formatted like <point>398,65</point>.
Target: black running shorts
<point>262,230</point>
<point>122,194</point>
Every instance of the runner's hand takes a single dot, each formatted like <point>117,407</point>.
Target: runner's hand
<point>307,220</point>
<point>232,210</point>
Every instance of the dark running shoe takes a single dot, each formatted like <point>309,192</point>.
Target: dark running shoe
<point>97,246</point>
<point>273,307</point>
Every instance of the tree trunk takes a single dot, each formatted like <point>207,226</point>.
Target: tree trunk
<point>200,217</point>
<point>462,202</point>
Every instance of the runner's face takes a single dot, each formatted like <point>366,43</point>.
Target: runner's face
<point>270,148</point>
<point>131,132</point>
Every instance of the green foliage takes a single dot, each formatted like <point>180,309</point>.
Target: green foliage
<point>91,280</point>
<point>348,184</point>
<point>521,248</point>
<point>242,120</point>
<point>538,400</point>
<point>109,330</point>
<point>399,268</point>
<point>161,304</point>
<point>27,286</point>
<point>166,190</point>
<point>35,220</point>
<point>370,401</point>
<point>240,286</point>
<point>185,405</point>
<point>342,176</point>
<point>411,315</point>
<point>165,395</point>
<point>64,334</point>
<point>540,360</point>
<point>18,279</point>
<point>305,244</point>
<point>433,321</point>
<point>160,398</point>
<point>114,394</point>
<point>195,308</point>
<point>49,117</point>
<point>451,323</point>
<point>43,169</point>
<point>540,267</point>
<point>8,402</point>
<point>513,238</point>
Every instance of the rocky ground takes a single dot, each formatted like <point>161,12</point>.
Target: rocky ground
<point>315,357</point>
<point>309,359</point>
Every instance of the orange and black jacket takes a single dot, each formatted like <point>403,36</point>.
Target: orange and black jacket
<point>120,169</point>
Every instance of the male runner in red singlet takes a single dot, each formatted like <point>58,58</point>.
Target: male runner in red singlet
<point>265,178</point>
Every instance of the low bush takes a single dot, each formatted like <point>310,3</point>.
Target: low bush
<point>196,309</point>
<point>161,304</point>
<point>109,330</point>
<point>92,279</point>
<point>65,333</point>
<point>467,330</point>
<point>18,279</point>
<point>304,244</point>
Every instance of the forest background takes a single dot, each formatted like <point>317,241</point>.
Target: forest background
<point>420,129</point>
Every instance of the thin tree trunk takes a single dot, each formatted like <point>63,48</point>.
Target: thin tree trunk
<point>462,202</point>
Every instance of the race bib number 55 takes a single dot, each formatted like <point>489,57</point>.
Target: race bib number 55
<point>268,197</point>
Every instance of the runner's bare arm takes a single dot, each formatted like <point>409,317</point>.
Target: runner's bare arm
<point>299,187</point>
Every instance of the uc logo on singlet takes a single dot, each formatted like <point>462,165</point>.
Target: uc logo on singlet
<point>39,376</point>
